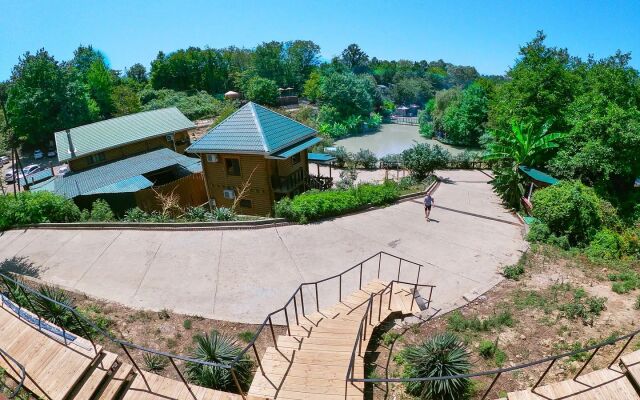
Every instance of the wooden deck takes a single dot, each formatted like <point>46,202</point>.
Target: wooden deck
<point>313,361</point>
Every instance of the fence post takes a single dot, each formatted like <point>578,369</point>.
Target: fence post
<point>302,301</point>
<point>317,299</point>
<point>399,266</point>
<point>182,378</point>
<point>295,308</point>
<point>339,288</point>
<point>273,334</point>
<point>544,374</point>
<point>621,350</point>
<point>586,363</point>
<point>484,396</point>
<point>360,284</point>
<point>135,365</point>
<point>235,380</point>
<point>379,263</point>
<point>286,317</point>
<point>390,295</point>
<point>257,357</point>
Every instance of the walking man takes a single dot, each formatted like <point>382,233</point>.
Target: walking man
<point>428,202</point>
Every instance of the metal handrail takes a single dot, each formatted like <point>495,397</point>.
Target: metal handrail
<point>23,373</point>
<point>499,371</point>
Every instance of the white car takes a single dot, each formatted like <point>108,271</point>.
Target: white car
<point>51,152</point>
<point>64,168</point>
<point>38,154</point>
<point>4,160</point>
<point>8,176</point>
<point>29,170</point>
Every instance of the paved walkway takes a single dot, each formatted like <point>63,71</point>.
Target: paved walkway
<point>241,275</point>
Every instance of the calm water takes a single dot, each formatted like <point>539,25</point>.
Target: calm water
<point>390,139</point>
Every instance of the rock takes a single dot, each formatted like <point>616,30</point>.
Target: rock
<point>523,337</point>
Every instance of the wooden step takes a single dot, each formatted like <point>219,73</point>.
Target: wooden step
<point>102,368</point>
<point>631,363</point>
<point>161,388</point>
<point>117,382</point>
<point>602,384</point>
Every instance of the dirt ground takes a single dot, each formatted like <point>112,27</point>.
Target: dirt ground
<point>540,325</point>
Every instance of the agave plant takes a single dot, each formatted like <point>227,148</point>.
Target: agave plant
<point>221,349</point>
<point>155,362</point>
<point>57,312</point>
<point>439,356</point>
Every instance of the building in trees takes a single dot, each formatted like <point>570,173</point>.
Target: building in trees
<point>253,158</point>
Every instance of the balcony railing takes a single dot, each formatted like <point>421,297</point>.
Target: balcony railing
<point>286,184</point>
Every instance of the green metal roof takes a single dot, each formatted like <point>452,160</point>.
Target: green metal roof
<point>538,175</point>
<point>119,176</point>
<point>320,157</point>
<point>253,129</point>
<point>114,132</point>
<point>37,177</point>
<point>297,148</point>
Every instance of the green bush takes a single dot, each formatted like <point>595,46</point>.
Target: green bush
<point>457,322</point>
<point>625,281</point>
<point>343,157</point>
<point>438,356</point>
<point>583,307</point>
<point>136,215</point>
<point>513,272</point>
<point>222,349</point>
<point>193,105</point>
<point>422,159</point>
<point>539,232</point>
<point>365,158</point>
<point>197,214</point>
<point>392,160</point>
<point>314,205</point>
<point>605,245</point>
<point>569,208</point>
<point>155,362</point>
<point>34,208</point>
<point>224,214</point>
<point>101,211</point>
<point>374,121</point>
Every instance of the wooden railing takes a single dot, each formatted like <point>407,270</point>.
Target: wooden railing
<point>288,183</point>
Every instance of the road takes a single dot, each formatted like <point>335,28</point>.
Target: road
<point>241,275</point>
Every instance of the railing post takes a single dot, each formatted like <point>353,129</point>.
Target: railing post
<point>317,299</point>
<point>430,292</point>
<point>182,378</point>
<point>418,277</point>
<point>235,380</point>
<point>302,301</point>
<point>371,307</point>
<point>544,374</point>
<point>366,322</point>
<point>414,298</point>
<point>586,363</point>
<point>380,304</point>
<point>360,284</point>
<point>621,350</point>
<point>286,317</point>
<point>295,308</point>
<point>484,396</point>
<point>399,267</point>
<point>255,351</point>
<point>379,263</point>
<point>33,309</point>
<point>135,365</point>
<point>340,289</point>
<point>390,295</point>
<point>95,348</point>
<point>273,334</point>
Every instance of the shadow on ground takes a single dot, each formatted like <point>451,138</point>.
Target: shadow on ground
<point>21,266</point>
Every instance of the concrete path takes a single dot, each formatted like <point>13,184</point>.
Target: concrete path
<point>241,275</point>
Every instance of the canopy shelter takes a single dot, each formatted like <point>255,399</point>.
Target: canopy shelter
<point>538,179</point>
<point>321,159</point>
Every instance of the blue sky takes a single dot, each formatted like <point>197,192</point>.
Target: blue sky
<point>485,34</point>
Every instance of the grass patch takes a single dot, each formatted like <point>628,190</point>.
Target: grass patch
<point>388,338</point>
<point>457,322</point>
<point>491,351</point>
<point>246,336</point>
<point>154,362</point>
<point>186,324</point>
<point>625,281</point>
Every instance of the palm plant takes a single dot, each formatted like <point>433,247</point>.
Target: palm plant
<point>221,349</point>
<point>522,145</point>
<point>439,356</point>
<point>58,311</point>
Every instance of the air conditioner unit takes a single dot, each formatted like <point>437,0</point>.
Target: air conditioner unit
<point>169,138</point>
<point>229,194</point>
<point>212,158</point>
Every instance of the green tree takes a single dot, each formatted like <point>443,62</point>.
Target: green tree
<point>348,93</point>
<point>100,82</point>
<point>412,91</point>
<point>190,69</point>
<point>354,58</point>
<point>540,87</point>
<point>83,59</point>
<point>422,159</point>
<point>465,121</point>
<point>125,100</point>
<point>443,100</point>
<point>269,62</point>
<point>262,91</point>
<point>302,57</point>
<point>137,73</point>
<point>312,86</point>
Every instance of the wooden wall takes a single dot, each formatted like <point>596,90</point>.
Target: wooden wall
<point>190,190</point>
<point>132,149</point>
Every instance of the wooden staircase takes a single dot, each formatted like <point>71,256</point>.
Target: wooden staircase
<point>312,361</point>
<point>620,382</point>
<point>77,371</point>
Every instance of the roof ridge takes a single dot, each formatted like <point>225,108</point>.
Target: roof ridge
<point>258,125</point>
<point>120,117</point>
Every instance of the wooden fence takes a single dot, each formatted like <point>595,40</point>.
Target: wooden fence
<point>190,191</point>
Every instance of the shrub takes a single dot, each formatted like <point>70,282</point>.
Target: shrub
<point>513,272</point>
<point>457,322</point>
<point>583,307</point>
<point>246,336</point>
<point>314,204</point>
<point>224,214</point>
<point>348,178</point>
<point>388,338</point>
<point>135,215</point>
<point>187,324</point>
<point>392,160</point>
<point>342,157</point>
<point>487,349</point>
<point>36,207</point>
<point>222,349</point>
<point>154,362</point>
<point>625,281</point>
<point>101,211</point>
<point>58,312</point>
<point>440,355</point>
<point>569,208</point>
<point>636,304</point>
<point>538,232</point>
<point>374,121</point>
<point>197,214</point>
<point>365,158</point>
<point>194,106</point>
<point>422,159</point>
<point>605,245</point>
<point>262,91</point>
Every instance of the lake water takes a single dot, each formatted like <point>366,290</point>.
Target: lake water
<point>390,139</point>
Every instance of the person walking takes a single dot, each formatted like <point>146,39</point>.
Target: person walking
<point>428,202</point>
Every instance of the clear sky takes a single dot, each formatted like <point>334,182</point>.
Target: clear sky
<point>482,33</point>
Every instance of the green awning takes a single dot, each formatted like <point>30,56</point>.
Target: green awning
<point>320,158</point>
<point>538,175</point>
<point>529,220</point>
<point>288,152</point>
<point>129,185</point>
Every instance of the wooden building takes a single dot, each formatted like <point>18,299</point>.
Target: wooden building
<point>259,150</point>
<point>114,139</point>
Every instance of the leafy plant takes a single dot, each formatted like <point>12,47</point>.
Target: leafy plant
<point>101,211</point>
<point>440,355</point>
<point>513,272</point>
<point>342,157</point>
<point>422,159</point>
<point>187,323</point>
<point>388,338</point>
<point>224,214</point>
<point>58,311</point>
<point>246,336</point>
<point>220,349</point>
<point>155,362</point>
<point>365,158</point>
<point>457,322</point>
<point>34,208</point>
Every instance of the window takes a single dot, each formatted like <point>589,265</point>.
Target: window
<point>212,158</point>
<point>295,158</point>
<point>233,166</point>
<point>97,158</point>
<point>244,203</point>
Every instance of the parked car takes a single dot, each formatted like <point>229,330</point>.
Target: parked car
<point>63,170</point>
<point>4,160</point>
<point>28,170</point>
<point>38,154</point>
<point>51,152</point>
<point>8,176</point>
